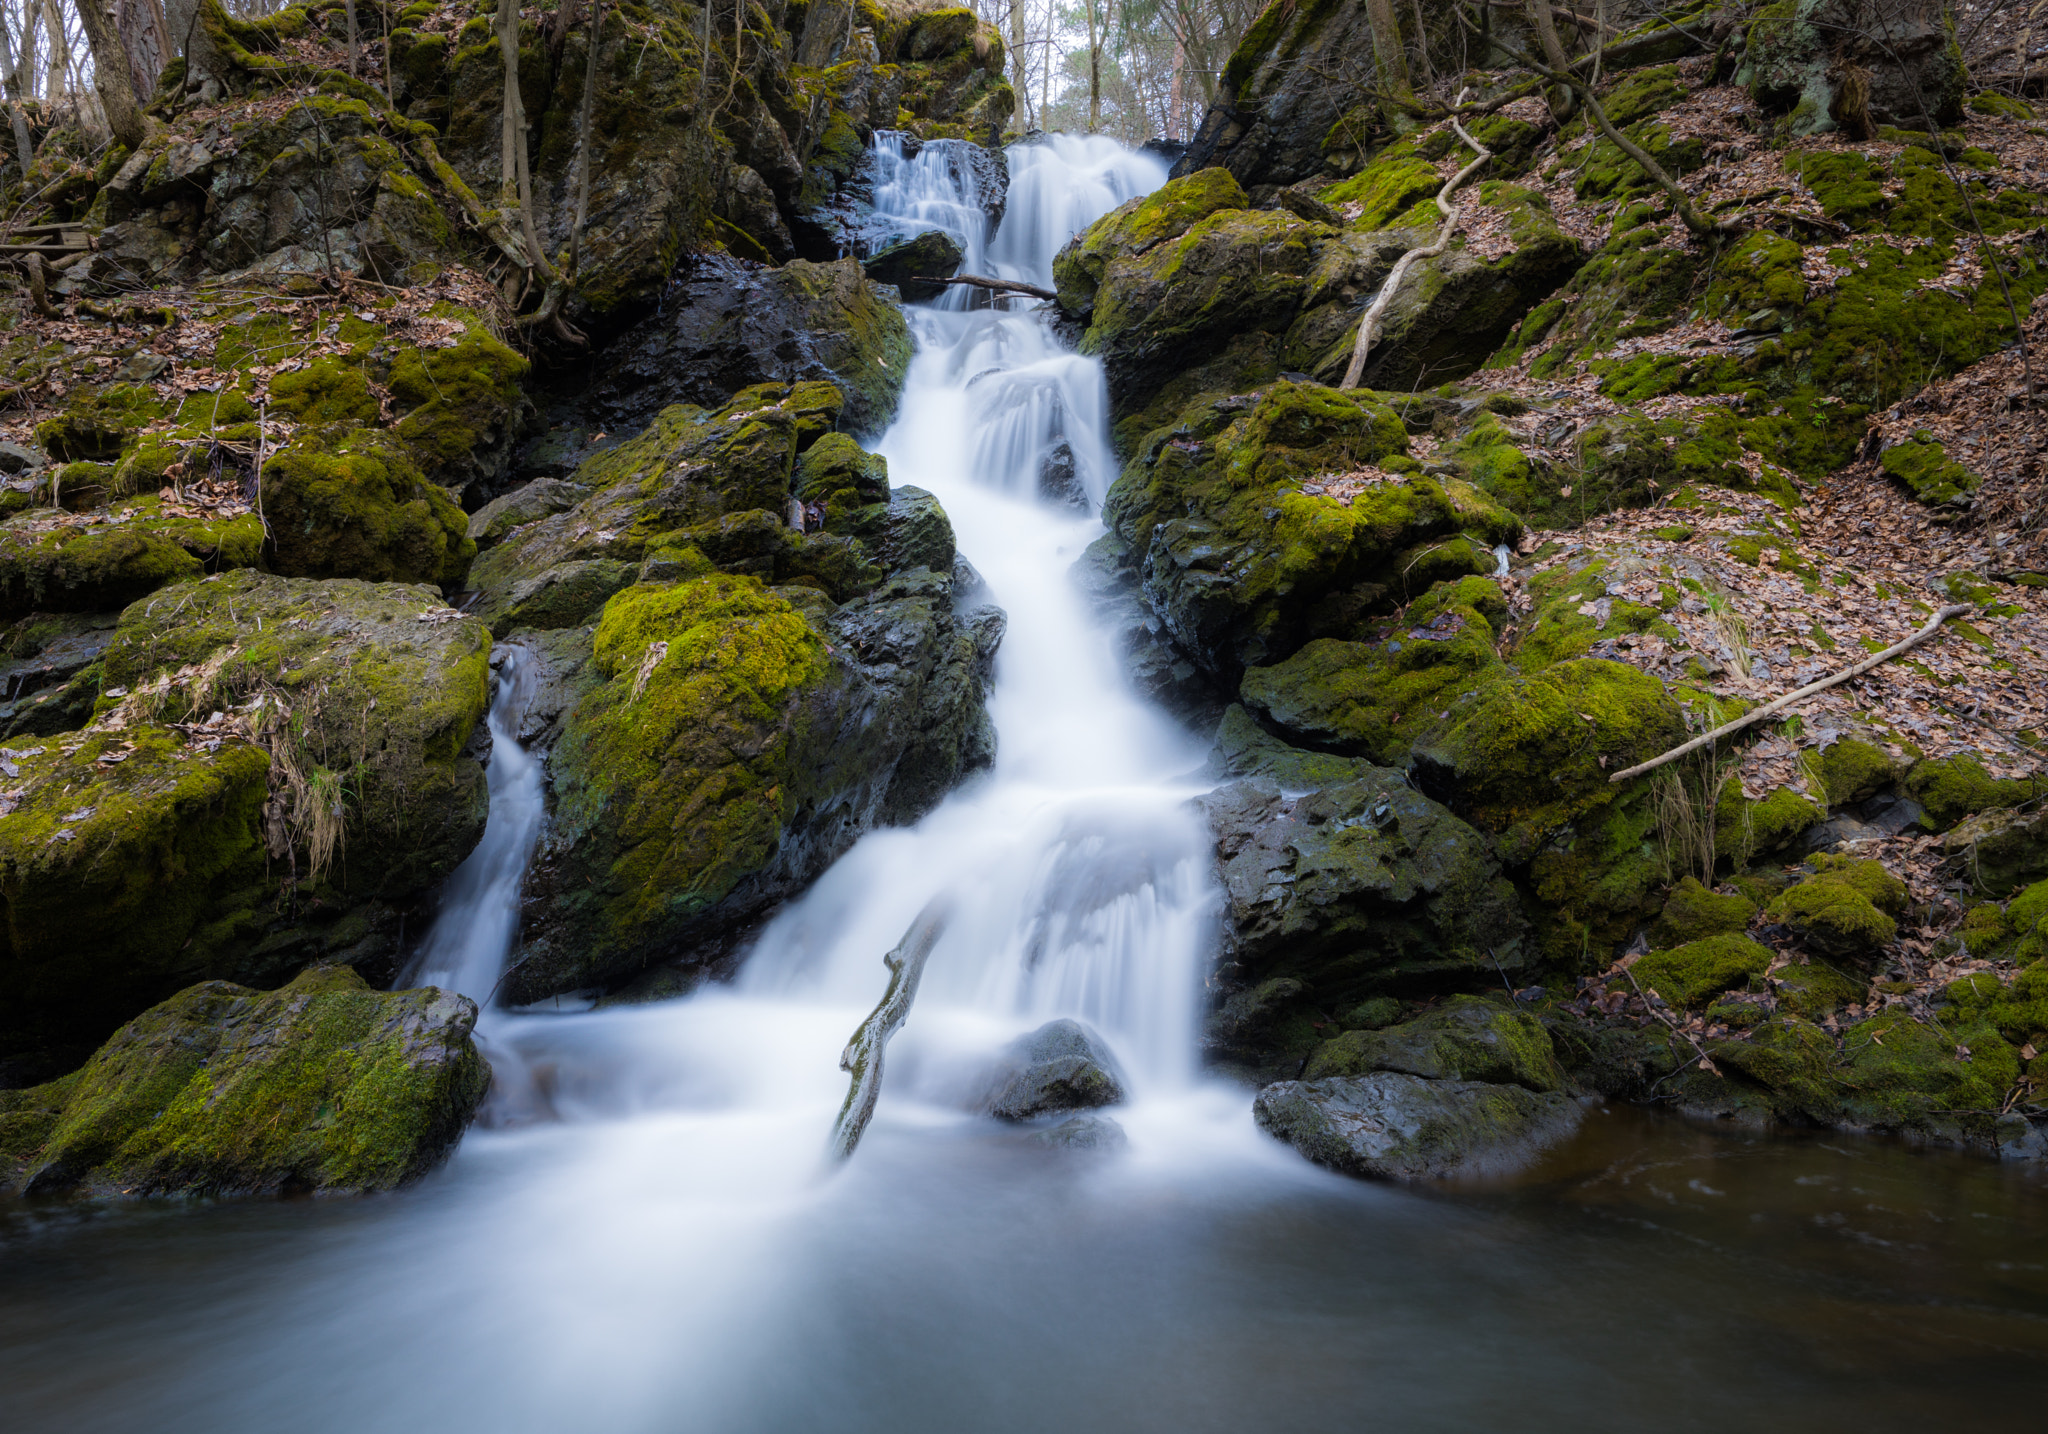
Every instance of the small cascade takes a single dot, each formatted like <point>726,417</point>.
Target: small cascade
<point>944,184</point>
<point>479,918</point>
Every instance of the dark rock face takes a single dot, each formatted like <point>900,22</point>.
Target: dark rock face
<point>931,255</point>
<point>728,325</point>
<point>1357,885</point>
<point>1390,1126</point>
<point>1060,1066</point>
<point>1059,477</point>
<point>1156,667</point>
<point>46,680</point>
<point>1294,77</point>
<point>325,1086</point>
<point>1854,65</point>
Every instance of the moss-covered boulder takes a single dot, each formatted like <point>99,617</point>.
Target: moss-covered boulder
<point>737,740</point>
<point>325,1086</point>
<point>356,505</point>
<point>1139,225</point>
<point>1905,67</point>
<point>1692,912</point>
<point>1467,1038</point>
<point>1924,469</point>
<point>1390,1126</point>
<point>1846,909</point>
<point>277,769</point>
<point>1692,974</point>
<point>1261,521</point>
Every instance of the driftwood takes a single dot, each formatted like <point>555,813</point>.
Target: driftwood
<point>1000,286</point>
<point>863,1055</point>
<point>1368,327</point>
<point>1876,659</point>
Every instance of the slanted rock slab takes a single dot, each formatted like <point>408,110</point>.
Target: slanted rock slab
<point>1390,1126</point>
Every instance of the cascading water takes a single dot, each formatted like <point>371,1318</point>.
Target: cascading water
<point>647,1238</point>
<point>479,918</point>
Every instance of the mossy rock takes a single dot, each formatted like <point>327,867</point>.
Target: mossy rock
<point>1243,554</point>
<point>1692,912</point>
<point>1846,909</point>
<point>1744,829</point>
<point>1926,471</point>
<point>1138,225</point>
<point>1951,788</point>
<point>1688,976</point>
<point>459,407</point>
<point>1945,1084</point>
<point>1852,770</point>
<point>324,1086</point>
<point>1816,989</point>
<point>1467,1038</point>
<point>86,569</point>
<point>2027,919</point>
<point>1375,699</point>
<point>381,687</point>
<point>98,423</point>
<point>1530,753</point>
<point>355,505</point>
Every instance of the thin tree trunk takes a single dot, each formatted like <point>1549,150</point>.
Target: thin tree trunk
<point>1017,56</point>
<point>1176,97</point>
<point>1389,58</point>
<point>1562,100</point>
<point>1094,74</point>
<point>349,9</point>
<point>586,140</point>
<point>10,77</point>
<point>111,76</point>
<point>510,112</point>
<point>57,78</point>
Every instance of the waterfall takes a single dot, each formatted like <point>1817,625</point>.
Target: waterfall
<point>479,917</point>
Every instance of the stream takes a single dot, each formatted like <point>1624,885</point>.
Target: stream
<point>642,1232</point>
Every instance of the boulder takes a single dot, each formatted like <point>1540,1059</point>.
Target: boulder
<point>358,506</point>
<point>1845,909</point>
<point>323,1087</point>
<point>49,672</point>
<point>931,255</point>
<point>279,767</point>
<point>1060,1066</point>
<point>1390,1126</point>
<point>1854,65</point>
<point>1082,1133</point>
<point>528,503</point>
<point>1261,521</point>
<point>50,563</point>
<point>726,325</point>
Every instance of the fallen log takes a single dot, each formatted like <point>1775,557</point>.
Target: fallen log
<point>862,1058</point>
<point>1876,659</point>
<point>1000,286</point>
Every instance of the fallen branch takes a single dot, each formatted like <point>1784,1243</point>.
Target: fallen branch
<point>1368,326</point>
<point>1877,659</point>
<point>1001,286</point>
<point>863,1054</point>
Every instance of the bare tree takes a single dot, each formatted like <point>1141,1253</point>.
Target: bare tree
<point>112,77</point>
<point>10,78</point>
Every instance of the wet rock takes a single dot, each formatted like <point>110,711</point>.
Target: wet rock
<point>542,498</point>
<point>325,1086</point>
<point>1391,1126</point>
<point>1141,639</point>
<point>1059,477</point>
<point>48,677</point>
<point>1060,1066</point>
<point>931,255</point>
<point>1083,1133</point>
<point>727,325</point>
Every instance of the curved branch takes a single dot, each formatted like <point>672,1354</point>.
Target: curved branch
<point>1368,327</point>
<point>863,1054</point>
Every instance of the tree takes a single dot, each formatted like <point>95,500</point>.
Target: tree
<point>10,78</point>
<point>1390,58</point>
<point>111,75</point>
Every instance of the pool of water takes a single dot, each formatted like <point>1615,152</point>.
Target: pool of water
<point>1653,1273</point>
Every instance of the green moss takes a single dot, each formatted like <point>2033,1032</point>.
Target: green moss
<point>1466,1038</point>
<point>1845,910</point>
<point>1388,187</point>
<point>325,1084</point>
<point>1691,912</point>
<point>98,423</point>
<point>1687,976</point>
<point>1928,473</point>
<point>1744,829</point>
<point>1816,989</point>
<point>1141,224</point>
<point>2016,1007</point>
<point>85,569</point>
<point>1951,788</point>
<point>457,400</point>
<point>1851,770</point>
<point>2027,919</point>
<point>1947,1083</point>
<point>353,504</point>
<point>328,390</point>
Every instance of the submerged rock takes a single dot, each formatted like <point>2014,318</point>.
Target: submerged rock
<point>322,1087</point>
<point>1060,1066</point>
<point>1083,1132</point>
<point>1392,1126</point>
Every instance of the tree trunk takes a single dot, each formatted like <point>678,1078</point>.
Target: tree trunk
<point>1389,58</point>
<point>141,26</point>
<point>1017,57</point>
<point>1094,74</point>
<point>1563,103</point>
<point>192,39</point>
<point>111,76</point>
<point>349,10</point>
<point>10,77</point>
<point>56,78</point>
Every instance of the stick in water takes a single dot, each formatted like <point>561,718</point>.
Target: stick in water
<point>1876,659</point>
<point>863,1054</point>
<point>1000,286</point>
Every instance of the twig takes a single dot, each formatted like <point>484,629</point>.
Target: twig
<point>863,1055</point>
<point>1368,326</point>
<point>1780,704</point>
<point>1001,286</point>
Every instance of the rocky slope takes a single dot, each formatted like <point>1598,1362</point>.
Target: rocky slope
<point>290,455</point>
<point>1610,481</point>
